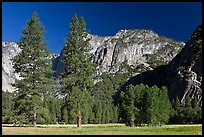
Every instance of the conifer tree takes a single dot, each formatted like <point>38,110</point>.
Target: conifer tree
<point>34,66</point>
<point>165,107</point>
<point>65,115</point>
<point>7,107</point>
<point>176,112</point>
<point>143,104</point>
<point>98,112</point>
<point>197,111</point>
<point>79,68</point>
<point>188,111</point>
<point>128,105</point>
<point>177,105</point>
<point>115,114</point>
<point>103,119</point>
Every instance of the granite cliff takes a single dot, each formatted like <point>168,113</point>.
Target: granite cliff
<point>182,76</point>
<point>135,47</point>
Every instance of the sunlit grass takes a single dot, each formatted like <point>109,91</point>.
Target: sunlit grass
<point>103,129</point>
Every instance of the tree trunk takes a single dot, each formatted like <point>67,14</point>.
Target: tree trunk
<point>34,117</point>
<point>78,115</point>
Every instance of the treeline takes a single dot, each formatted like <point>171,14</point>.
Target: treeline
<point>187,113</point>
<point>59,111</point>
<point>138,105</point>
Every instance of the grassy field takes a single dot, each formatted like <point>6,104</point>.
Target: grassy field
<point>103,129</point>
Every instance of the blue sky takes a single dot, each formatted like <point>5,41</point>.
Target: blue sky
<point>171,19</point>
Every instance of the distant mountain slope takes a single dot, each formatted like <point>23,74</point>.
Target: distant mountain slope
<point>133,47</point>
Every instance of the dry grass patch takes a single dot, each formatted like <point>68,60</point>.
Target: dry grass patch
<point>103,129</point>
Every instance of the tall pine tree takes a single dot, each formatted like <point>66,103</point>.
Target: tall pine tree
<point>79,68</point>
<point>35,68</point>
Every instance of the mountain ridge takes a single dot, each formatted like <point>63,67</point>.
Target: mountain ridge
<point>138,50</point>
<point>108,53</point>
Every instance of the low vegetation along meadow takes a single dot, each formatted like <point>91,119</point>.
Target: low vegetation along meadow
<point>103,129</point>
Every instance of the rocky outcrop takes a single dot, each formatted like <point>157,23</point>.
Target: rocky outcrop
<point>184,76</point>
<point>136,47</point>
<point>9,50</point>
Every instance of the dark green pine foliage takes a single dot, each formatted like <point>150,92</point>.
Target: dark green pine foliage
<point>58,110</point>
<point>34,65</point>
<point>177,105</point>
<point>44,116</point>
<point>165,107</point>
<point>104,111</point>
<point>197,112</point>
<point>79,68</point>
<point>176,112</point>
<point>157,106</point>
<point>106,89</point>
<point>70,104</point>
<point>54,106</point>
<point>97,109</point>
<point>140,101</point>
<point>132,105</point>
<point>7,108</point>
<point>65,115</point>
<point>86,108</point>
<point>188,111</point>
<point>115,114</point>
<point>129,106</point>
<point>145,105</point>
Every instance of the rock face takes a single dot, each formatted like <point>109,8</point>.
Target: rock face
<point>184,77</point>
<point>135,47</point>
<point>9,50</point>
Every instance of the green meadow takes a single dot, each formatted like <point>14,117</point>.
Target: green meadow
<point>103,129</point>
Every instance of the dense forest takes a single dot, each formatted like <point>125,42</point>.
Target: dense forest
<point>40,98</point>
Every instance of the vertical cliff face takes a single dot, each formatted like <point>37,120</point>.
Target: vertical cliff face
<point>184,76</point>
<point>9,50</point>
<point>136,47</point>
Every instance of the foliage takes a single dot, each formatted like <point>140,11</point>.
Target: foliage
<point>153,61</point>
<point>7,108</point>
<point>131,70</point>
<point>188,113</point>
<point>145,105</point>
<point>79,68</point>
<point>106,89</point>
<point>34,66</point>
